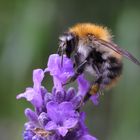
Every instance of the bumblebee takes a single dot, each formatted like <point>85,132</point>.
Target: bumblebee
<point>91,48</point>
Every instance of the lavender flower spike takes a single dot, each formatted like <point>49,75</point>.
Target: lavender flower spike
<point>56,114</point>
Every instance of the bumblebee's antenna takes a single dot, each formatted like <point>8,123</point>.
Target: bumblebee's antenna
<point>62,52</point>
<point>58,50</point>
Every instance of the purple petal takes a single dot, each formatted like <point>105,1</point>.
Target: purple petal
<point>54,137</point>
<point>60,74</point>
<point>59,96</point>
<point>53,91</point>
<point>43,91</point>
<point>50,126</point>
<point>53,64</point>
<point>70,123</point>
<point>37,100</point>
<point>62,131</point>
<point>47,97</point>
<point>83,85</point>
<point>87,137</point>
<point>77,101</point>
<point>82,116</point>
<point>70,93</point>
<point>52,111</point>
<point>37,137</point>
<point>29,125</point>
<point>31,95</point>
<point>31,115</point>
<point>66,111</point>
<point>38,76</point>
<point>28,134</point>
<point>28,94</point>
<point>57,83</point>
<point>95,99</point>
<point>81,122</point>
<point>52,106</point>
<point>66,107</point>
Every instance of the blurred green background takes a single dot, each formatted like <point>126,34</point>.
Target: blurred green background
<point>29,31</point>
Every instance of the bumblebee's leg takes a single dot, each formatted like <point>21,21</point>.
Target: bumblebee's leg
<point>79,70</point>
<point>76,60</point>
<point>100,81</point>
<point>95,87</point>
<point>111,69</point>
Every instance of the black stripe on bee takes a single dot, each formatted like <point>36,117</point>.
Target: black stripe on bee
<point>97,56</point>
<point>115,67</point>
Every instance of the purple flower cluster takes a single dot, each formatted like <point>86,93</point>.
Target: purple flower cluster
<point>56,115</point>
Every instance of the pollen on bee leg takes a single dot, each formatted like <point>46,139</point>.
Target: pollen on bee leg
<point>94,89</point>
<point>93,92</point>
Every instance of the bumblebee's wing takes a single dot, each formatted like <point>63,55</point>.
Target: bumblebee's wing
<point>117,49</point>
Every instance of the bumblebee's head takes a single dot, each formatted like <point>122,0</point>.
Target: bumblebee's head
<point>67,44</point>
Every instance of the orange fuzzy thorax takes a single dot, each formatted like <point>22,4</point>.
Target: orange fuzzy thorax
<point>83,29</point>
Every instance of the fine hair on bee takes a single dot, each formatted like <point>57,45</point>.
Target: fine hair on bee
<point>91,48</point>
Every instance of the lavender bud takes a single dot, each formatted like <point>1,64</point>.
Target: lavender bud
<point>70,94</point>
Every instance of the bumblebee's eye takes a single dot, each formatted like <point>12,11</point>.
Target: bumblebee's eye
<point>68,43</point>
<point>70,47</point>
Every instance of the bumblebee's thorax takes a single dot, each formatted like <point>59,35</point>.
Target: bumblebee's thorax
<point>93,56</point>
<point>85,45</point>
<point>84,29</point>
<point>84,48</point>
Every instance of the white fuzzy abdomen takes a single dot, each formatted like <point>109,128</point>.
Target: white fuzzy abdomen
<point>90,70</point>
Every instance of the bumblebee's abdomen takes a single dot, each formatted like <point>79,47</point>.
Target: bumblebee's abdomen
<point>115,67</point>
<point>111,71</point>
